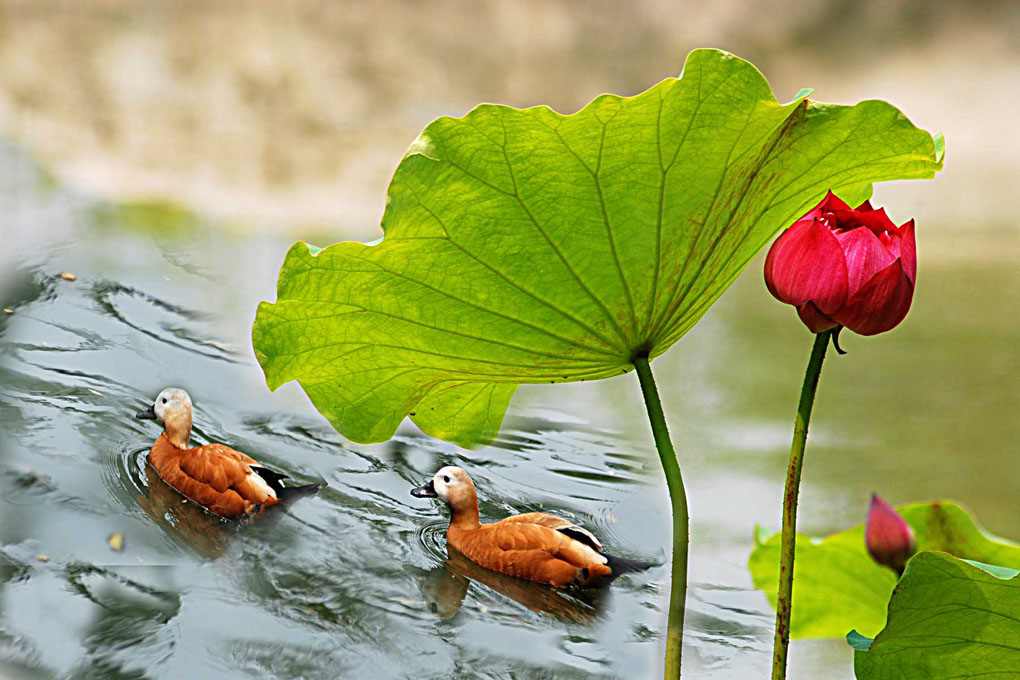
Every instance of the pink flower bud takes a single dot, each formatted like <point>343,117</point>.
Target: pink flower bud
<point>845,267</point>
<point>889,538</point>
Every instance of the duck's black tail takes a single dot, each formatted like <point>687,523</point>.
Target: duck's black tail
<point>283,492</point>
<point>623,565</point>
<point>289,494</point>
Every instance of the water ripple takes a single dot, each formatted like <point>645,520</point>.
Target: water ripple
<point>121,303</point>
<point>431,538</point>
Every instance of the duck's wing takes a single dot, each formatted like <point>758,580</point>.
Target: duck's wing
<point>273,478</point>
<point>223,468</point>
<point>530,550</point>
<point>566,527</point>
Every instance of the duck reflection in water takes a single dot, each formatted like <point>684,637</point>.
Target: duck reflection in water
<point>185,522</point>
<point>445,587</point>
<point>188,523</point>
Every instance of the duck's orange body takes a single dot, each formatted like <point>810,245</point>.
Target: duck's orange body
<point>214,476</point>
<point>533,546</point>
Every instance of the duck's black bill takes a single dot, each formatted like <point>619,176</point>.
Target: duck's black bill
<point>147,414</point>
<point>425,491</point>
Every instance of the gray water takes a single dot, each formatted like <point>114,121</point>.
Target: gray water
<point>356,582</point>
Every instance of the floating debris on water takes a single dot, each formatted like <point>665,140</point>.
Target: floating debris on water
<point>96,392</point>
<point>43,558</point>
<point>8,310</point>
<point>68,276</point>
<point>116,541</point>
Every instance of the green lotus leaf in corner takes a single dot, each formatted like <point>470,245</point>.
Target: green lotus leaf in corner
<point>839,588</point>
<point>948,619</point>
<point>527,246</point>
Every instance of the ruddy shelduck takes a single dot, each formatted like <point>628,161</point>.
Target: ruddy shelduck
<point>533,546</point>
<point>225,482</point>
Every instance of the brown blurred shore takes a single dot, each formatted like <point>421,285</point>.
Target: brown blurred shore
<point>290,116</point>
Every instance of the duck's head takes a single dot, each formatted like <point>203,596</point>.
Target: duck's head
<point>172,408</point>
<point>453,485</point>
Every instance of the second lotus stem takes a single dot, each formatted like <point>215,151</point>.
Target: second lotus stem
<point>792,489</point>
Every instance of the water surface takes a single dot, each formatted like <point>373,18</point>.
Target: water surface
<point>356,582</point>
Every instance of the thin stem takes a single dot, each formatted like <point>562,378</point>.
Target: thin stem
<point>783,602</point>
<point>678,499</point>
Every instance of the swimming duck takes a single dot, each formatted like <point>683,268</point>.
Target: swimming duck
<point>533,546</point>
<point>225,482</point>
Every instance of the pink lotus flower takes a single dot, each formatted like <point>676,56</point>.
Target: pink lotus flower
<point>889,538</point>
<point>845,267</point>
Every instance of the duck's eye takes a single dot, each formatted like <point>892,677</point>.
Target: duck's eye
<point>164,400</point>
<point>446,479</point>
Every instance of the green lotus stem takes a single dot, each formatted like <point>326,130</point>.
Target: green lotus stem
<point>800,430</point>
<point>678,499</point>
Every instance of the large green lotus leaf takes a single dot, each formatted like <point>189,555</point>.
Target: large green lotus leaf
<point>838,587</point>
<point>526,246</point>
<point>948,619</point>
